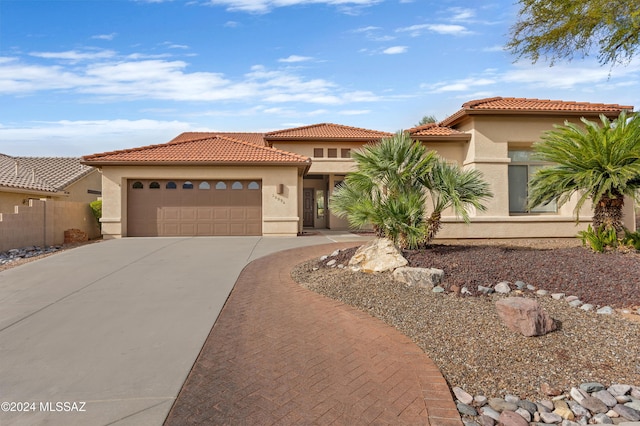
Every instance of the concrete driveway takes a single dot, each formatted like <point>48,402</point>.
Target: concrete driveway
<point>106,333</point>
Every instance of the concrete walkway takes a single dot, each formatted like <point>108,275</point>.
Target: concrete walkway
<point>116,326</point>
<point>280,354</point>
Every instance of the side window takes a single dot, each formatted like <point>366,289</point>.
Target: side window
<point>332,152</point>
<point>318,152</point>
<point>345,153</point>
<point>171,185</point>
<point>204,185</point>
<point>521,169</point>
<point>137,185</point>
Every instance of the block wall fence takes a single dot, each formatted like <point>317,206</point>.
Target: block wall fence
<point>43,222</point>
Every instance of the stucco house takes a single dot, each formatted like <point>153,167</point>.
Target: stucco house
<point>278,183</point>
<point>58,178</point>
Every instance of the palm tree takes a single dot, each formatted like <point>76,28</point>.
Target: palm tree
<point>600,162</point>
<point>451,186</point>
<point>386,190</point>
<point>391,186</point>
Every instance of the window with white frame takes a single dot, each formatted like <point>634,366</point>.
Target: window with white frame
<point>521,169</point>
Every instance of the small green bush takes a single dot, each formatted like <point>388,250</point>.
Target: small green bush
<point>632,239</point>
<point>96,208</point>
<point>599,240</point>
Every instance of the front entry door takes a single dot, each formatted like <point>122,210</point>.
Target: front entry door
<point>307,202</point>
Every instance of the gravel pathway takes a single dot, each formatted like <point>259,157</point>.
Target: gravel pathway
<point>464,336</point>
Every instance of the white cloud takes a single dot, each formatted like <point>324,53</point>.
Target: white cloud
<point>461,85</point>
<point>265,6</point>
<point>73,55</point>
<point>461,14</point>
<point>160,79</point>
<point>496,48</point>
<point>295,58</point>
<point>395,50</point>
<point>366,29</point>
<point>446,29</point>
<point>108,37</point>
<point>83,137</point>
<point>231,24</point>
<point>355,112</point>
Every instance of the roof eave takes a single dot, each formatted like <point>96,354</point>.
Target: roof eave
<point>99,163</point>
<point>463,137</point>
<point>29,191</point>
<point>323,139</point>
<point>458,116</point>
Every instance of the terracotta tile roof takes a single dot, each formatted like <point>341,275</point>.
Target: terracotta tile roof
<point>433,129</point>
<point>326,131</point>
<point>500,105</point>
<point>254,138</point>
<point>48,174</point>
<point>214,149</point>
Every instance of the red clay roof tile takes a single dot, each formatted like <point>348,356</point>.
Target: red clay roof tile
<point>216,149</point>
<point>326,131</point>
<point>254,138</point>
<point>433,129</point>
<point>501,105</point>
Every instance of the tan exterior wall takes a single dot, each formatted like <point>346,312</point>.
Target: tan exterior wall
<point>43,222</point>
<point>9,200</point>
<point>323,165</point>
<point>280,211</point>
<point>78,191</point>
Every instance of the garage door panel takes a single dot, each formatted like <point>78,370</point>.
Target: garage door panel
<point>188,213</point>
<point>221,213</point>
<point>254,214</point>
<point>163,207</point>
<point>204,214</point>
<point>237,214</point>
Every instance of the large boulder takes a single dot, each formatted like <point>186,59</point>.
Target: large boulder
<point>524,316</point>
<point>378,255</point>
<point>419,277</point>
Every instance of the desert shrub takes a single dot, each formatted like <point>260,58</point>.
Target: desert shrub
<point>632,239</point>
<point>96,208</point>
<point>600,239</point>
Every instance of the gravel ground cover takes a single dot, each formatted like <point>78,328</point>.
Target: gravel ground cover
<point>465,338</point>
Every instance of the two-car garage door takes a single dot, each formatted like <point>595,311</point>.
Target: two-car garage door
<point>193,207</point>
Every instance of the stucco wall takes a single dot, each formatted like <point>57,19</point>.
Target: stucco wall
<point>43,222</point>
<point>279,211</point>
<point>78,191</point>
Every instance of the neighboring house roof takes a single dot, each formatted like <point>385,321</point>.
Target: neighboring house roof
<point>43,174</point>
<point>435,131</point>
<point>499,105</point>
<point>214,149</point>
<point>254,138</point>
<point>324,132</point>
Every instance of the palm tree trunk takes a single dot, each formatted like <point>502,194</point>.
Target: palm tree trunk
<point>434,225</point>
<point>608,213</point>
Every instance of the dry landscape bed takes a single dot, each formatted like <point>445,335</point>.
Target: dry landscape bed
<point>463,334</point>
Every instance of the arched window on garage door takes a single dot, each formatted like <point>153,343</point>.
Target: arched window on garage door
<point>221,185</point>
<point>253,185</point>
<point>154,185</point>
<point>187,185</point>
<point>137,185</point>
<point>204,185</point>
<point>171,185</point>
<point>237,185</point>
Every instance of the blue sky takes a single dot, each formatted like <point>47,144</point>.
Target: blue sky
<point>84,76</point>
